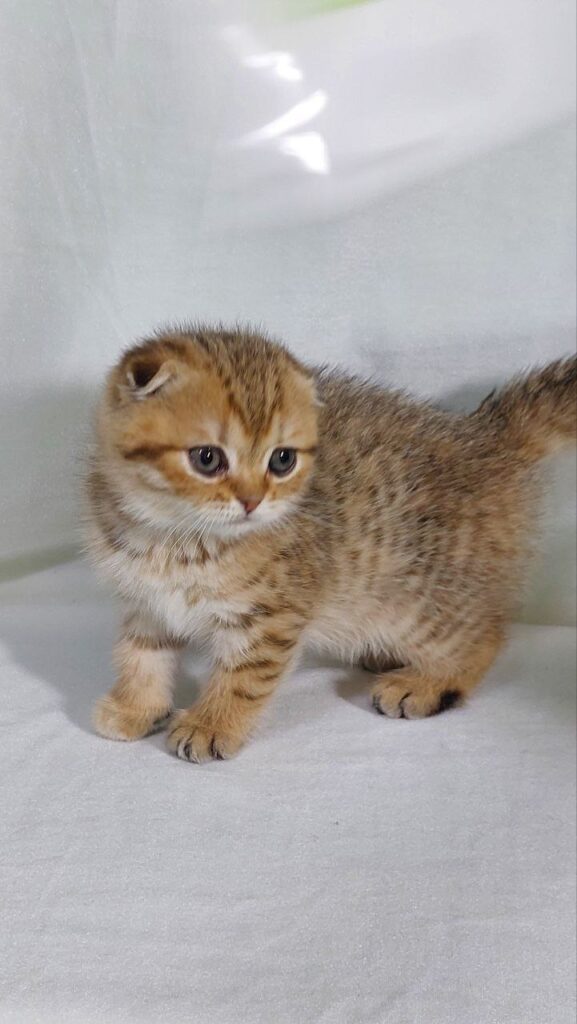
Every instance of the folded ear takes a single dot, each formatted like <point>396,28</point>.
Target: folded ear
<point>146,373</point>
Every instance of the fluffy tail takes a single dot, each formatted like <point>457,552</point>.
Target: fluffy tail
<point>537,414</point>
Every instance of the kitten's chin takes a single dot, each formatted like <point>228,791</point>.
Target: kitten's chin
<point>232,530</point>
<point>241,527</point>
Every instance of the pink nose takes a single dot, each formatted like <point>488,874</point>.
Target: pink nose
<point>249,504</point>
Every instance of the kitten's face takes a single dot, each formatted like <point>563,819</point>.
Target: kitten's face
<point>210,433</point>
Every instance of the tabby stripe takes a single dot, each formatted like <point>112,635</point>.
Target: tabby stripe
<point>238,411</point>
<point>114,541</point>
<point>110,535</point>
<point>149,643</point>
<point>147,451</point>
<point>253,666</point>
<point>101,494</point>
<point>243,695</point>
<point>284,643</point>
<point>243,620</point>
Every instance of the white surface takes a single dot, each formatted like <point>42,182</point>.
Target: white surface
<point>120,123</point>
<point>344,869</point>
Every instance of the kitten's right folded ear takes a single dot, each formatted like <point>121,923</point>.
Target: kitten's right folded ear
<point>142,374</point>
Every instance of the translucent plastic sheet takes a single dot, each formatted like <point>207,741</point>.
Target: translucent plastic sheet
<point>335,103</point>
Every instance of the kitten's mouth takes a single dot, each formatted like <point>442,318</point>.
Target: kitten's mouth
<point>241,525</point>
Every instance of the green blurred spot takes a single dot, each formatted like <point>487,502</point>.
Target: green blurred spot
<point>301,8</point>
<point>291,10</point>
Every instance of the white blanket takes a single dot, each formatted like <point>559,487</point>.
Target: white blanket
<point>343,869</point>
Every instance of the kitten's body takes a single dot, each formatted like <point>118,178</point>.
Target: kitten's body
<point>401,536</point>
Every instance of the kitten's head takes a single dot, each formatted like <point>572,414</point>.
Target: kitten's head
<point>209,431</point>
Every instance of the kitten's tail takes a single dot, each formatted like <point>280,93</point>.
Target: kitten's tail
<point>537,414</point>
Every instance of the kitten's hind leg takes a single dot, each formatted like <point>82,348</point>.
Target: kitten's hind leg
<point>419,692</point>
<point>141,701</point>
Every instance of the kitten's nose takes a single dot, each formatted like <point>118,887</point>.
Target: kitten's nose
<point>249,504</point>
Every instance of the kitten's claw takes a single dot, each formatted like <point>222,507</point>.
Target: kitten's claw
<point>194,739</point>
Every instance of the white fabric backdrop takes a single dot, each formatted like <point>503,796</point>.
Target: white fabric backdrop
<point>390,187</point>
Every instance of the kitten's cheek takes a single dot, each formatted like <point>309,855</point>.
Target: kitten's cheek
<point>271,512</point>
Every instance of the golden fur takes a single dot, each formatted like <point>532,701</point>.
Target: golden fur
<point>399,538</point>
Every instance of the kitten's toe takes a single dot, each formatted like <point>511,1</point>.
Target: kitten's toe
<point>389,700</point>
<point>398,700</point>
<point>196,740</point>
<point>117,721</point>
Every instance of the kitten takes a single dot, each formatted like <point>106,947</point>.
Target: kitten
<point>239,498</point>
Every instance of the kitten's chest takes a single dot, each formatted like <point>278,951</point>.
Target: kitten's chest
<point>187,598</point>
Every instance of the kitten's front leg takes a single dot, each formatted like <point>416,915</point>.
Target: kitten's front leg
<point>224,717</point>
<point>141,701</point>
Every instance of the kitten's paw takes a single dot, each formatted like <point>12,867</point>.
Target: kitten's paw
<point>118,721</point>
<point>402,700</point>
<point>194,738</point>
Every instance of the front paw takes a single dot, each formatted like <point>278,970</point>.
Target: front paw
<point>117,721</point>
<point>195,737</point>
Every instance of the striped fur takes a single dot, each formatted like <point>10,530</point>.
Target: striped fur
<point>400,538</point>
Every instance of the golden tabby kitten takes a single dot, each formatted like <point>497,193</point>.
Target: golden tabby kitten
<point>240,498</point>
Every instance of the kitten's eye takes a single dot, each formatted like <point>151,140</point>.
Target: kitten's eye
<point>208,461</point>
<point>282,461</point>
